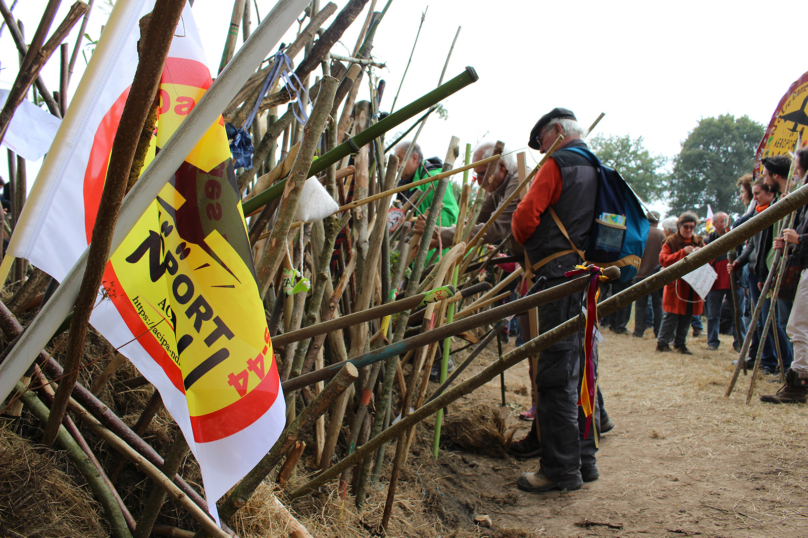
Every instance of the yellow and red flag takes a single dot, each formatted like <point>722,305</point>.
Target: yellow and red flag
<point>179,296</point>
<point>787,126</point>
<point>708,223</point>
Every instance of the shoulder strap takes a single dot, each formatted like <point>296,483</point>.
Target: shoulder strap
<point>591,157</point>
<point>555,255</point>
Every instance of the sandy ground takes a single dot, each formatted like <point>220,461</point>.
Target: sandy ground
<point>682,461</point>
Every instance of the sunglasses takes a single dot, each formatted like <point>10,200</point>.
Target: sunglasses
<point>689,226</point>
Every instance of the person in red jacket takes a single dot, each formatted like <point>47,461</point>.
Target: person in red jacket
<point>679,302</point>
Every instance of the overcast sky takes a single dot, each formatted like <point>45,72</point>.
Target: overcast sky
<point>654,68</point>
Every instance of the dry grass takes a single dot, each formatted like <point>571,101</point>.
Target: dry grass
<point>37,498</point>
<point>480,430</point>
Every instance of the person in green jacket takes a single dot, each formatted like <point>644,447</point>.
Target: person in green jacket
<point>418,168</point>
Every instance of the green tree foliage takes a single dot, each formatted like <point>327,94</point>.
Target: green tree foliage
<point>643,171</point>
<point>716,153</point>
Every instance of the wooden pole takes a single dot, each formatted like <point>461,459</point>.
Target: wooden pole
<point>243,491</point>
<point>271,258</point>
<point>232,34</point>
<point>26,77</point>
<point>154,51</point>
<point>83,464</point>
<point>17,36</point>
<point>77,46</point>
<point>409,61</point>
<point>151,471</point>
<point>352,145</point>
<point>173,462</point>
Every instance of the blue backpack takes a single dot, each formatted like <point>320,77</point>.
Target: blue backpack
<point>620,228</point>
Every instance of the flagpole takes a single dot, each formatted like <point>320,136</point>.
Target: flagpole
<point>205,113</point>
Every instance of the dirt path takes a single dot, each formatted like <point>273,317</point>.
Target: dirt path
<point>682,461</point>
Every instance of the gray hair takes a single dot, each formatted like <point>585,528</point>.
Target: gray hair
<point>670,224</point>
<point>569,126</point>
<point>508,158</point>
<point>416,149</point>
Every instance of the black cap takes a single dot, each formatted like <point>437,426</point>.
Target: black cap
<point>778,164</point>
<point>556,113</point>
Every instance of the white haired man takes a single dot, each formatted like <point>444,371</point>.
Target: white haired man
<point>417,168</point>
<point>566,188</point>
<point>721,286</point>
<point>500,187</point>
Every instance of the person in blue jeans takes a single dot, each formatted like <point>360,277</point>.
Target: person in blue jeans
<point>754,254</point>
<point>721,286</point>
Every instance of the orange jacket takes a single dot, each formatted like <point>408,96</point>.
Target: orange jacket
<point>677,294</point>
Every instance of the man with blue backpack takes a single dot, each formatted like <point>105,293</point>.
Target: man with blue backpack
<point>575,210</point>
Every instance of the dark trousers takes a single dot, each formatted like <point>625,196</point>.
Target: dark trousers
<point>769,358</point>
<point>675,326</point>
<point>562,422</point>
<point>640,306</point>
<point>715,298</point>
<point>618,320</point>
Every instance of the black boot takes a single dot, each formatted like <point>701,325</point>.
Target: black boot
<point>794,391</point>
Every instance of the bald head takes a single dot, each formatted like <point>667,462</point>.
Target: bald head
<point>720,221</point>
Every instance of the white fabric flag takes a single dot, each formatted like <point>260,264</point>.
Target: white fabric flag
<point>31,130</point>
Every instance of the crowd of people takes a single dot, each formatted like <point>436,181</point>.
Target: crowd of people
<point>565,188</point>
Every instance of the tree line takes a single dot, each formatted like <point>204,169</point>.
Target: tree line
<point>714,155</point>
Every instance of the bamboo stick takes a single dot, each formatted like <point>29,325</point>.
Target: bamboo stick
<point>154,51</point>
<point>12,328</point>
<point>176,455</point>
<point>232,33</point>
<point>363,32</point>
<point>409,61</point>
<point>240,494</point>
<point>514,357</point>
<point>27,76</point>
<point>292,189</point>
<point>19,41</point>
<point>249,91</point>
<point>352,145</point>
<point>83,464</point>
<point>153,472</point>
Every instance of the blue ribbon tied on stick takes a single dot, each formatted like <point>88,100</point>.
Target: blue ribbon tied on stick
<point>241,145</point>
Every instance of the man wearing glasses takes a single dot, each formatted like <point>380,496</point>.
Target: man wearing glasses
<point>564,190</point>
<point>501,185</point>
